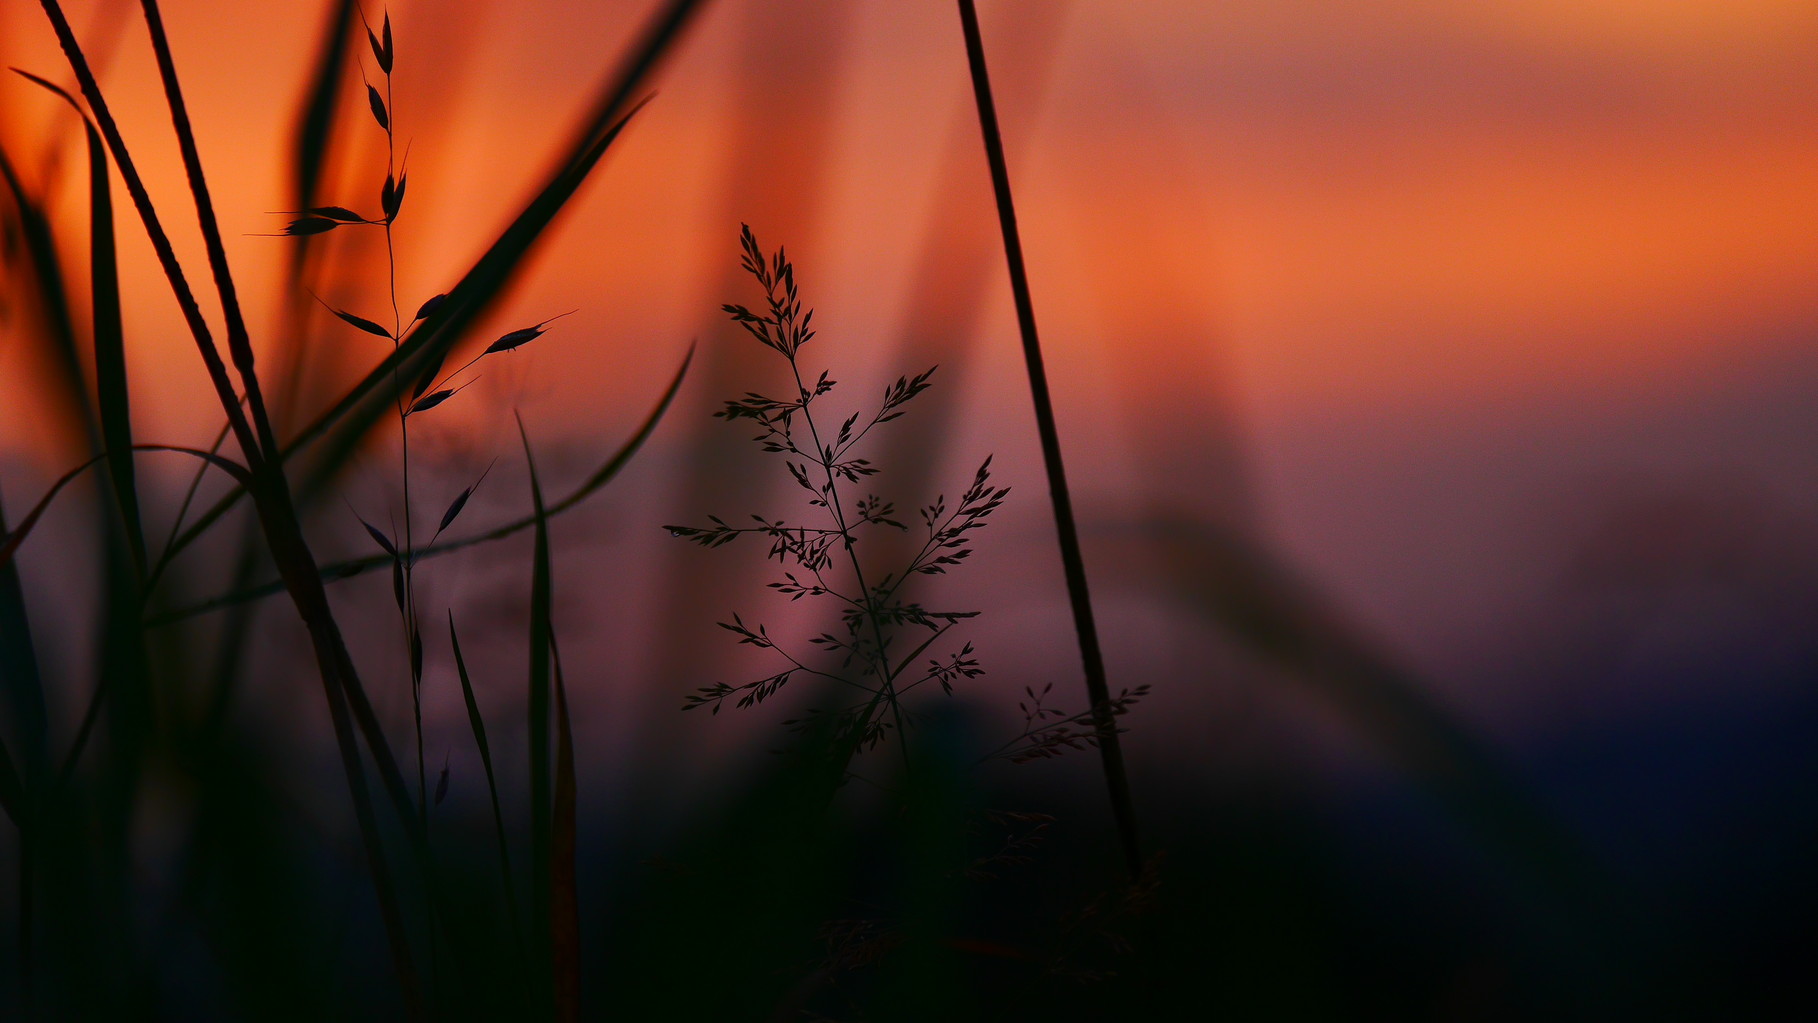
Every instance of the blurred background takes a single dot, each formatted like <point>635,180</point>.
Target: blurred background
<point>1434,381</point>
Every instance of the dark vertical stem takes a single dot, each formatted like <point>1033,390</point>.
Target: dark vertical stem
<point>541,794</point>
<point>28,852</point>
<point>239,343</point>
<point>1110,749</point>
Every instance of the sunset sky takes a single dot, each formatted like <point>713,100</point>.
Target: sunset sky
<point>1416,290</point>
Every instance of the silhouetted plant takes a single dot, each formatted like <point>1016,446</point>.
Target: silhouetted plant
<point>430,390</point>
<point>1050,731</point>
<point>822,560</point>
<point>420,931</point>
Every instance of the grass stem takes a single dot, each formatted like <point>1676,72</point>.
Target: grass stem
<point>1072,562</point>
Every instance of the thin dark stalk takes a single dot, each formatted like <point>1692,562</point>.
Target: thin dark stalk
<point>1072,562</point>
<point>409,610</point>
<point>389,905</point>
<point>477,723</point>
<point>541,787</point>
<point>176,524</point>
<point>28,966</point>
<point>239,343</point>
<point>564,895</point>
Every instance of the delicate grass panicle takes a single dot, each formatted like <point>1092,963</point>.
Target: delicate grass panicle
<point>884,634</point>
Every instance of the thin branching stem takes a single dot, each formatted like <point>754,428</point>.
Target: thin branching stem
<point>880,659</point>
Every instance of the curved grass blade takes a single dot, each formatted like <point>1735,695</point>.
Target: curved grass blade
<point>21,681</point>
<point>109,336</point>
<point>53,302</point>
<point>12,792</point>
<point>477,723</point>
<point>541,849</point>
<point>315,122</point>
<point>564,897</point>
<point>8,574</point>
<point>17,536</point>
<point>20,532</point>
<point>176,524</point>
<point>355,566</point>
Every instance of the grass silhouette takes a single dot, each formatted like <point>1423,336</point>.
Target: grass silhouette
<point>871,870</point>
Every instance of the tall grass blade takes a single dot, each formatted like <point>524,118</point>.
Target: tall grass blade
<point>12,790</point>
<point>52,297</point>
<point>540,785</point>
<point>22,686</point>
<point>21,683</point>
<point>316,115</point>
<point>239,343</point>
<point>315,120</point>
<point>355,566</point>
<point>109,335</point>
<point>1072,562</point>
<point>477,723</point>
<point>111,390</point>
<point>564,896</point>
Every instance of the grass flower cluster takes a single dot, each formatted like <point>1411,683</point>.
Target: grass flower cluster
<point>877,654</point>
